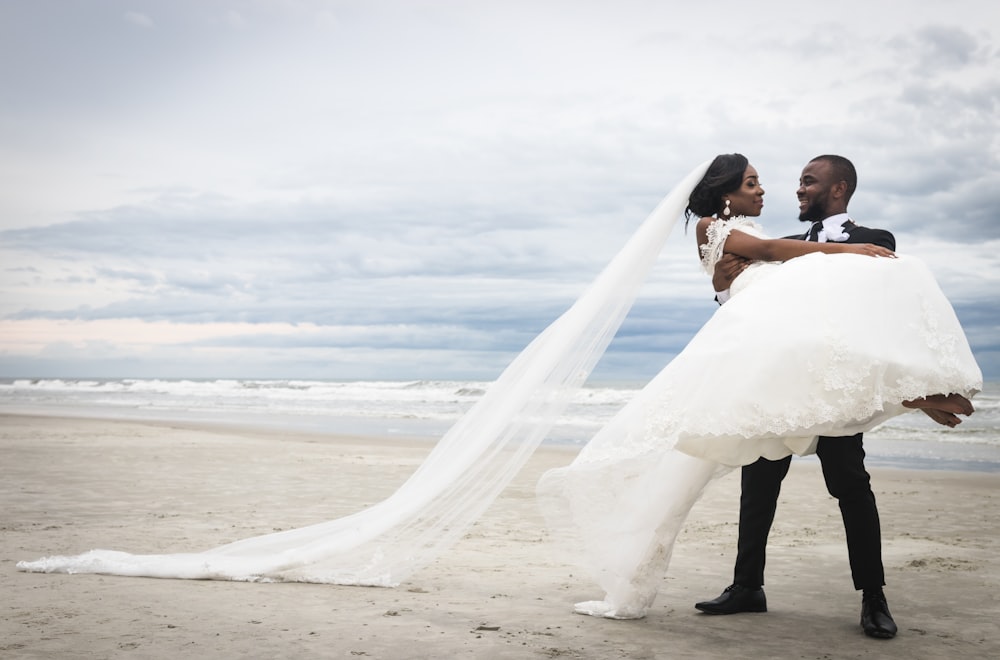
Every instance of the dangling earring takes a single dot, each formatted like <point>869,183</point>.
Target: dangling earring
<point>726,210</point>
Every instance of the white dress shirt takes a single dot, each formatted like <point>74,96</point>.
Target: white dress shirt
<point>833,229</point>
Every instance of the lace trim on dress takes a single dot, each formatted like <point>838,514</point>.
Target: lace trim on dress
<point>718,232</point>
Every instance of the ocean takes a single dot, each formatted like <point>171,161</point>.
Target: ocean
<point>427,408</point>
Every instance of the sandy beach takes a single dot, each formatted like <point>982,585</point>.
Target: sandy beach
<point>70,485</point>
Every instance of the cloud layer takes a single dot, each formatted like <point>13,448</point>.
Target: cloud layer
<point>415,189</point>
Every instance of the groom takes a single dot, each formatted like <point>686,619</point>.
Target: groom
<point>825,188</point>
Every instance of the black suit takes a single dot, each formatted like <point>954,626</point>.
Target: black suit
<point>847,480</point>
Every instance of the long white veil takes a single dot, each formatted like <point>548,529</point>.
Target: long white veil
<point>463,474</point>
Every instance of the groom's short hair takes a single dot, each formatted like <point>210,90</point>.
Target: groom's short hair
<point>843,170</point>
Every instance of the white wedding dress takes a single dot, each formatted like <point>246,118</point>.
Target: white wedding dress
<point>819,345</point>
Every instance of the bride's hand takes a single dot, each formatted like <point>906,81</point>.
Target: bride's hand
<point>869,249</point>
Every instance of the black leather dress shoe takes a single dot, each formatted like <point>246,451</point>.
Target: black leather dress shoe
<point>735,599</point>
<point>875,618</point>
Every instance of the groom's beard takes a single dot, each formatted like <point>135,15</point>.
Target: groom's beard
<point>815,212</point>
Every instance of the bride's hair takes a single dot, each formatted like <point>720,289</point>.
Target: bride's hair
<point>724,175</point>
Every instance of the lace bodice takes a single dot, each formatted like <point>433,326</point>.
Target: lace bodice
<point>712,251</point>
<point>718,232</point>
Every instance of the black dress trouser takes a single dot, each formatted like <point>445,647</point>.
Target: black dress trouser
<point>843,462</point>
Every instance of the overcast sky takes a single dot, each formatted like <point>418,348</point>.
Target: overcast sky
<point>410,189</point>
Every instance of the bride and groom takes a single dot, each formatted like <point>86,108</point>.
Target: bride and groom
<point>760,382</point>
<point>825,188</point>
<point>835,367</point>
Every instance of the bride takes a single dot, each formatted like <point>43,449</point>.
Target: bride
<point>732,395</point>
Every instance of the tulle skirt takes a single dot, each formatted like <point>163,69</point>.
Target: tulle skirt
<point>820,345</point>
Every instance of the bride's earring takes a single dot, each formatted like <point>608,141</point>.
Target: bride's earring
<point>726,210</point>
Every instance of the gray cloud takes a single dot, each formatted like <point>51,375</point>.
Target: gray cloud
<point>446,176</point>
<point>939,48</point>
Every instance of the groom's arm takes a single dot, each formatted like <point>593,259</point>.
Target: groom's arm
<point>726,270</point>
<point>876,236</point>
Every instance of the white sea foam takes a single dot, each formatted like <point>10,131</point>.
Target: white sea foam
<point>427,408</point>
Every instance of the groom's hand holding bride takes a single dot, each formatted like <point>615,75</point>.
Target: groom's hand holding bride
<point>943,409</point>
<point>727,269</point>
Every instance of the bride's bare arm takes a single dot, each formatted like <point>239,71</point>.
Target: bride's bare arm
<point>783,249</point>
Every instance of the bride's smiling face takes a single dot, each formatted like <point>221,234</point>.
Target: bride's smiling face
<point>748,199</point>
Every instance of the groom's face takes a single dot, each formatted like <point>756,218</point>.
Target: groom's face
<point>815,185</point>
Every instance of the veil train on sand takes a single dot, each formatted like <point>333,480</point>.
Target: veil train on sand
<point>463,474</point>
